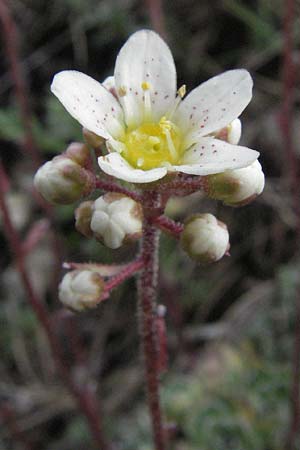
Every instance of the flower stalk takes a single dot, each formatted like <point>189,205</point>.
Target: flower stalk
<point>147,294</point>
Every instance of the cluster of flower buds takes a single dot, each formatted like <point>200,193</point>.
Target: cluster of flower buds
<point>112,219</point>
<point>143,131</point>
<point>66,178</point>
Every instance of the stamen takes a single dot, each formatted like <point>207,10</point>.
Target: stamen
<point>170,143</point>
<point>140,162</point>
<point>147,101</point>
<point>182,91</point>
<point>180,94</point>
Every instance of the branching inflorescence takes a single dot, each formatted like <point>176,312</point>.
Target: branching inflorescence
<point>145,133</point>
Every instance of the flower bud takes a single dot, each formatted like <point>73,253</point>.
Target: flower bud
<point>83,217</point>
<point>63,181</point>
<point>92,139</point>
<point>232,133</point>
<point>116,219</point>
<point>236,187</point>
<point>204,238</point>
<point>79,153</point>
<point>81,289</point>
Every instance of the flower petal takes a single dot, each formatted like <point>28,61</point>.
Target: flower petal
<point>145,59</point>
<point>214,104</point>
<point>211,156</point>
<point>89,102</point>
<point>114,164</point>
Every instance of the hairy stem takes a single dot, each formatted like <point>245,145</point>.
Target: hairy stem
<point>168,225</point>
<point>147,292</point>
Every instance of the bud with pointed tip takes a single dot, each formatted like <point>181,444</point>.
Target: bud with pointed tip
<point>83,217</point>
<point>63,181</point>
<point>204,238</point>
<point>116,219</point>
<point>232,133</point>
<point>81,289</point>
<point>236,187</point>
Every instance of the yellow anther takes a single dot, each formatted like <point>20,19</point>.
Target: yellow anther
<point>122,91</point>
<point>145,86</point>
<point>182,91</point>
<point>165,124</point>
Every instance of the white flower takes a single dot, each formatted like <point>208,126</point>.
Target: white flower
<point>116,219</point>
<point>81,289</point>
<point>237,187</point>
<point>150,131</point>
<point>204,238</point>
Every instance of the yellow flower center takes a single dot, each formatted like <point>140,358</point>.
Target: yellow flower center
<point>153,145</point>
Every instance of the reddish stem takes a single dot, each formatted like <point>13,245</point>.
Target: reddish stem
<point>147,293</point>
<point>129,270</point>
<point>161,328</point>
<point>156,15</point>
<point>287,113</point>
<point>110,186</point>
<point>36,233</point>
<point>169,226</point>
<point>84,397</point>
<point>183,185</point>
<point>10,35</point>
<point>9,420</point>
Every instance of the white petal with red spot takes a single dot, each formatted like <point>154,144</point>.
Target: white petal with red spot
<point>214,104</point>
<point>90,103</point>
<point>145,58</point>
<point>211,155</point>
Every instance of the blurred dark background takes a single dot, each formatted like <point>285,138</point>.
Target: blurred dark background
<point>230,325</point>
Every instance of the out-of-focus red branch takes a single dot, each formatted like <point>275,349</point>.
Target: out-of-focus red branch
<point>10,36</point>
<point>84,396</point>
<point>289,78</point>
<point>156,16</point>
<point>29,147</point>
<point>8,418</point>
